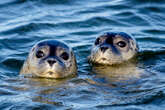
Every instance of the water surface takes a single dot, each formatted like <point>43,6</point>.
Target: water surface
<point>78,23</point>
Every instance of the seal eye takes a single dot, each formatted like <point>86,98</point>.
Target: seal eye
<point>64,56</point>
<point>40,54</point>
<point>121,44</point>
<point>97,41</point>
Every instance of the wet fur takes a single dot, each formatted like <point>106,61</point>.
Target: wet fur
<point>38,67</point>
<point>113,55</point>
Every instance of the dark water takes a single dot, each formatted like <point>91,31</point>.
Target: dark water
<point>79,22</point>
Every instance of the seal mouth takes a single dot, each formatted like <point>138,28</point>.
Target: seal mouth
<point>103,59</point>
<point>50,72</point>
<point>53,74</point>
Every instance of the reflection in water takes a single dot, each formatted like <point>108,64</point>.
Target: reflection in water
<point>46,89</point>
<point>44,82</point>
<point>78,23</point>
<point>38,89</point>
<point>121,72</point>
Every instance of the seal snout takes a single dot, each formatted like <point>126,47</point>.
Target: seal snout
<point>103,48</point>
<point>51,61</point>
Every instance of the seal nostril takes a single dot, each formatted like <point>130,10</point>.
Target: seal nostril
<point>103,49</point>
<point>51,62</point>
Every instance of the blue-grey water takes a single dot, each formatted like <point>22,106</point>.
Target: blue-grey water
<point>78,23</point>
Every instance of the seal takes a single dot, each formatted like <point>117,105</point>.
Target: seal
<point>50,59</point>
<point>113,48</point>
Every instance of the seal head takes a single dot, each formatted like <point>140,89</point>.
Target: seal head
<point>113,48</point>
<point>50,59</point>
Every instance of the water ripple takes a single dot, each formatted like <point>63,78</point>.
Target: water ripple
<point>78,23</point>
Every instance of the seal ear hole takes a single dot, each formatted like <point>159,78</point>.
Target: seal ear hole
<point>64,56</point>
<point>72,54</point>
<point>122,44</point>
<point>40,54</point>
